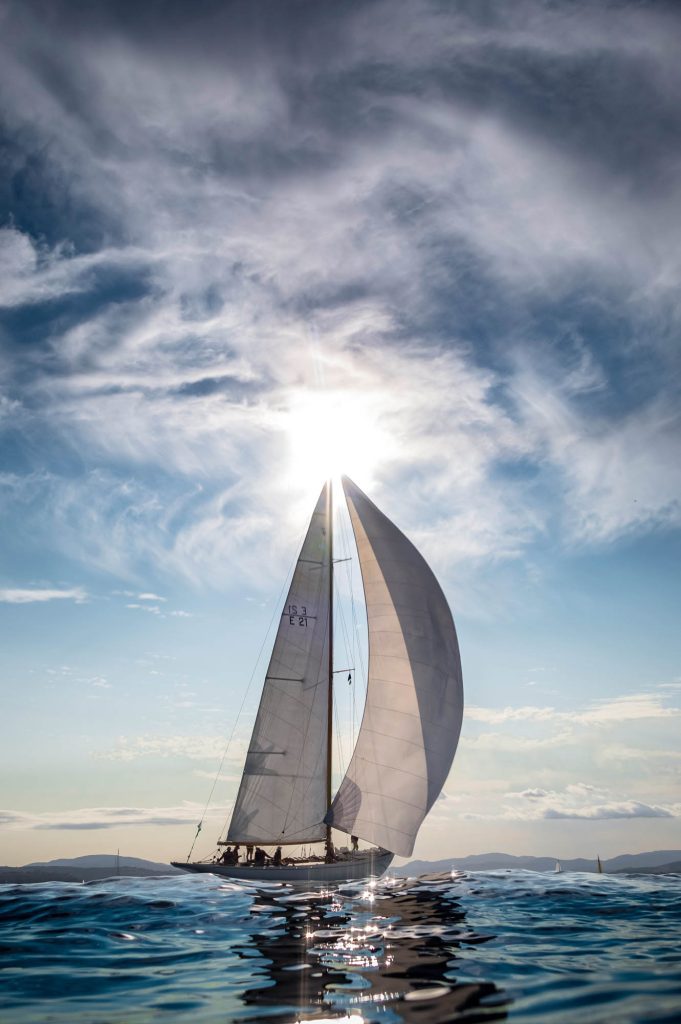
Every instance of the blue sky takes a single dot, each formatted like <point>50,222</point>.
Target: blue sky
<point>433,245</point>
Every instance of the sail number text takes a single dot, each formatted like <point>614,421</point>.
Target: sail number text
<point>297,616</point>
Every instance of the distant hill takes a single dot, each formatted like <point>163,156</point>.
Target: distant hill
<point>657,861</point>
<point>633,862</point>
<point>85,869</point>
<point>105,860</point>
<point>97,866</point>
<point>664,869</point>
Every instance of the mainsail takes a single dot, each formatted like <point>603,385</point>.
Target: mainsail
<point>282,797</point>
<point>414,704</point>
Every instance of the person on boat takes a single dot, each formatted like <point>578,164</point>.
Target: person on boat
<point>259,858</point>
<point>235,854</point>
<point>276,860</point>
<point>330,853</point>
<point>355,843</point>
<point>227,856</point>
<point>249,853</point>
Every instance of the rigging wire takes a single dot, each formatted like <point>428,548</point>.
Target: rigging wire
<point>338,608</point>
<point>353,638</point>
<point>339,742</point>
<point>357,646</point>
<point>362,666</point>
<point>348,636</point>
<point>277,605</point>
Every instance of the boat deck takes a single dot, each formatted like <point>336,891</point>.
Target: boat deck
<point>365,864</point>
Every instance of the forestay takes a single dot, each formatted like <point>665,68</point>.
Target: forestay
<point>282,797</point>
<point>414,706</point>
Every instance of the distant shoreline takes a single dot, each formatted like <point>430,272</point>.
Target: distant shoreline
<point>96,867</point>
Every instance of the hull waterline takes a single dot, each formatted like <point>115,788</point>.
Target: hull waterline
<point>352,869</point>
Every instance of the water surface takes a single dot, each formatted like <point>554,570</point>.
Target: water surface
<point>484,946</point>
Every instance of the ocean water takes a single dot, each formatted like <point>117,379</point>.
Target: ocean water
<point>485,946</point>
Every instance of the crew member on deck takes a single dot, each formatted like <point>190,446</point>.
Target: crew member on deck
<point>276,860</point>
<point>355,843</point>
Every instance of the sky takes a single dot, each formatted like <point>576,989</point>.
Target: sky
<point>432,245</point>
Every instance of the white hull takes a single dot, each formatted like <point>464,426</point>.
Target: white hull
<point>361,865</point>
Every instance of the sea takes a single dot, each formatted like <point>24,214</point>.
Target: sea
<point>483,946</point>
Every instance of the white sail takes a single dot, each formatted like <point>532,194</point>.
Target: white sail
<point>282,797</point>
<point>414,704</point>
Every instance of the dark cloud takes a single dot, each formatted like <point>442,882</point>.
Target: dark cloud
<point>95,818</point>
<point>205,203</point>
<point>210,386</point>
<point>47,201</point>
<point>104,288</point>
<point>87,826</point>
<point>608,104</point>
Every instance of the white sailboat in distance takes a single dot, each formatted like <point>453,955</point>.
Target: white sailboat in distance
<point>410,726</point>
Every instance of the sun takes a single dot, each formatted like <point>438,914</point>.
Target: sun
<point>330,433</point>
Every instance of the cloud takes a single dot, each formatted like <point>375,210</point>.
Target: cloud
<point>495,716</point>
<point>95,818</point>
<point>623,753</point>
<point>38,595</point>
<point>509,743</point>
<point>576,801</point>
<point>631,707</point>
<point>465,247</point>
<point>231,779</point>
<point>608,711</point>
<point>196,748</point>
<point>619,473</point>
<point>100,683</point>
<point>633,733</point>
<point>624,809</point>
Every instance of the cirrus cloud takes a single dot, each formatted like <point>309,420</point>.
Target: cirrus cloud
<point>38,595</point>
<point>421,234</point>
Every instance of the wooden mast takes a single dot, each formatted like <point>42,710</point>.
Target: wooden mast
<point>329,717</point>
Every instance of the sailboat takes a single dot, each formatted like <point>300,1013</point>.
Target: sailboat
<point>410,725</point>
<point>558,870</point>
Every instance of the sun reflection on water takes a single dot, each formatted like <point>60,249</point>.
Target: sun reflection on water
<point>387,947</point>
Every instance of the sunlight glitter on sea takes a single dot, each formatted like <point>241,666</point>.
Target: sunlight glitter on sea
<point>514,945</point>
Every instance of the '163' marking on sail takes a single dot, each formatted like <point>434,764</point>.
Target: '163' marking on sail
<point>298,616</point>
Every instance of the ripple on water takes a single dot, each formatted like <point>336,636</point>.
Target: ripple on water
<point>468,947</point>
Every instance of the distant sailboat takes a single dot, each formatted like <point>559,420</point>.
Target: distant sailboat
<point>409,731</point>
<point>599,865</point>
<point>558,869</point>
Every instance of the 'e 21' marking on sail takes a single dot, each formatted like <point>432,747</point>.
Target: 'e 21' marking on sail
<point>297,616</point>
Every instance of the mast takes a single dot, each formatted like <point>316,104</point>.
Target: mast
<point>329,716</point>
